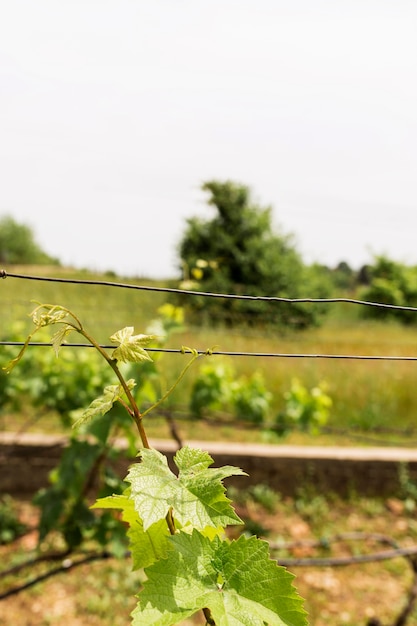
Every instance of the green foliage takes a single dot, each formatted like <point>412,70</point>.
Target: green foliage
<point>327,281</point>
<point>238,252</point>
<point>260,494</point>
<point>10,525</point>
<point>408,488</point>
<point>344,277</point>
<point>193,568</point>
<point>18,245</point>
<point>250,399</point>
<point>82,469</point>
<point>104,403</point>
<point>265,496</point>
<point>391,283</point>
<point>146,372</point>
<point>236,580</point>
<point>145,546</point>
<point>311,505</point>
<point>217,388</point>
<point>211,389</point>
<point>196,494</point>
<point>130,348</point>
<point>307,409</point>
<point>62,385</point>
<point>175,522</point>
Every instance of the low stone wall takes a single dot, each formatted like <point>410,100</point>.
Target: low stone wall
<point>26,460</point>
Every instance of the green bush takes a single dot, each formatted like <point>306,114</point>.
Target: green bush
<point>391,283</point>
<point>10,525</point>
<point>306,409</point>
<point>217,389</point>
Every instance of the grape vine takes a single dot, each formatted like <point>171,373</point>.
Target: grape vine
<point>176,522</point>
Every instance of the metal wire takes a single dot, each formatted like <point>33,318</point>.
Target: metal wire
<point>230,296</point>
<point>276,355</point>
<point>4,274</point>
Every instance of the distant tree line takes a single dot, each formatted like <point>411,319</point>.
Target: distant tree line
<point>19,247</point>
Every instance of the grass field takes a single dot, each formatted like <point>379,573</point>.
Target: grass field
<point>367,395</point>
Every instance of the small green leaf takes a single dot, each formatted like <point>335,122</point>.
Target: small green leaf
<point>197,495</point>
<point>236,580</point>
<point>102,405</point>
<point>58,339</point>
<point>53,315</point>
<point>11,364</point>
<point>130,348</point>
<point>146,547</point>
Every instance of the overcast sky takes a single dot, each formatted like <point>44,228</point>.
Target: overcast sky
<point>113,113</point>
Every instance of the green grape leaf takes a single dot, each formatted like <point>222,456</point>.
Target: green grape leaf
<point>197,495</point>
<point>130,348</point>
<point>236,580</point>
<point>102,405</point>
<point>146,547</point>
<point>58,339</point>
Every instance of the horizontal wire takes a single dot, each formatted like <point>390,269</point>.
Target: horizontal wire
<point>4,274</point>
<point>348,560</point>
<point>278,355</point>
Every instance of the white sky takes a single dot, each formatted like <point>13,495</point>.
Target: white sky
<point>113,113</point>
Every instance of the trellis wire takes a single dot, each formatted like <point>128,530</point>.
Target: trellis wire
<point>4,275</point>
<point>280,355</point>
<point>230,296</point>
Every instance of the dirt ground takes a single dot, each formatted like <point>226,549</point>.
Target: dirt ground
<point>102,593</point>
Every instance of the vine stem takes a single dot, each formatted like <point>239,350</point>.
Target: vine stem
<point>170,522</point>
<point>134,410</point>
<point>172,388</point>
<point>79,328</point>
<point>209,620</point>
<point>131,405</point>
<point>136,414</point>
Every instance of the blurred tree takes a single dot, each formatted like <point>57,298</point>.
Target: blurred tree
<point>18,245</point>
<point>364,277</point>
<point>344,277</point>
<point>237,252</point>
<point>391,282</point>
